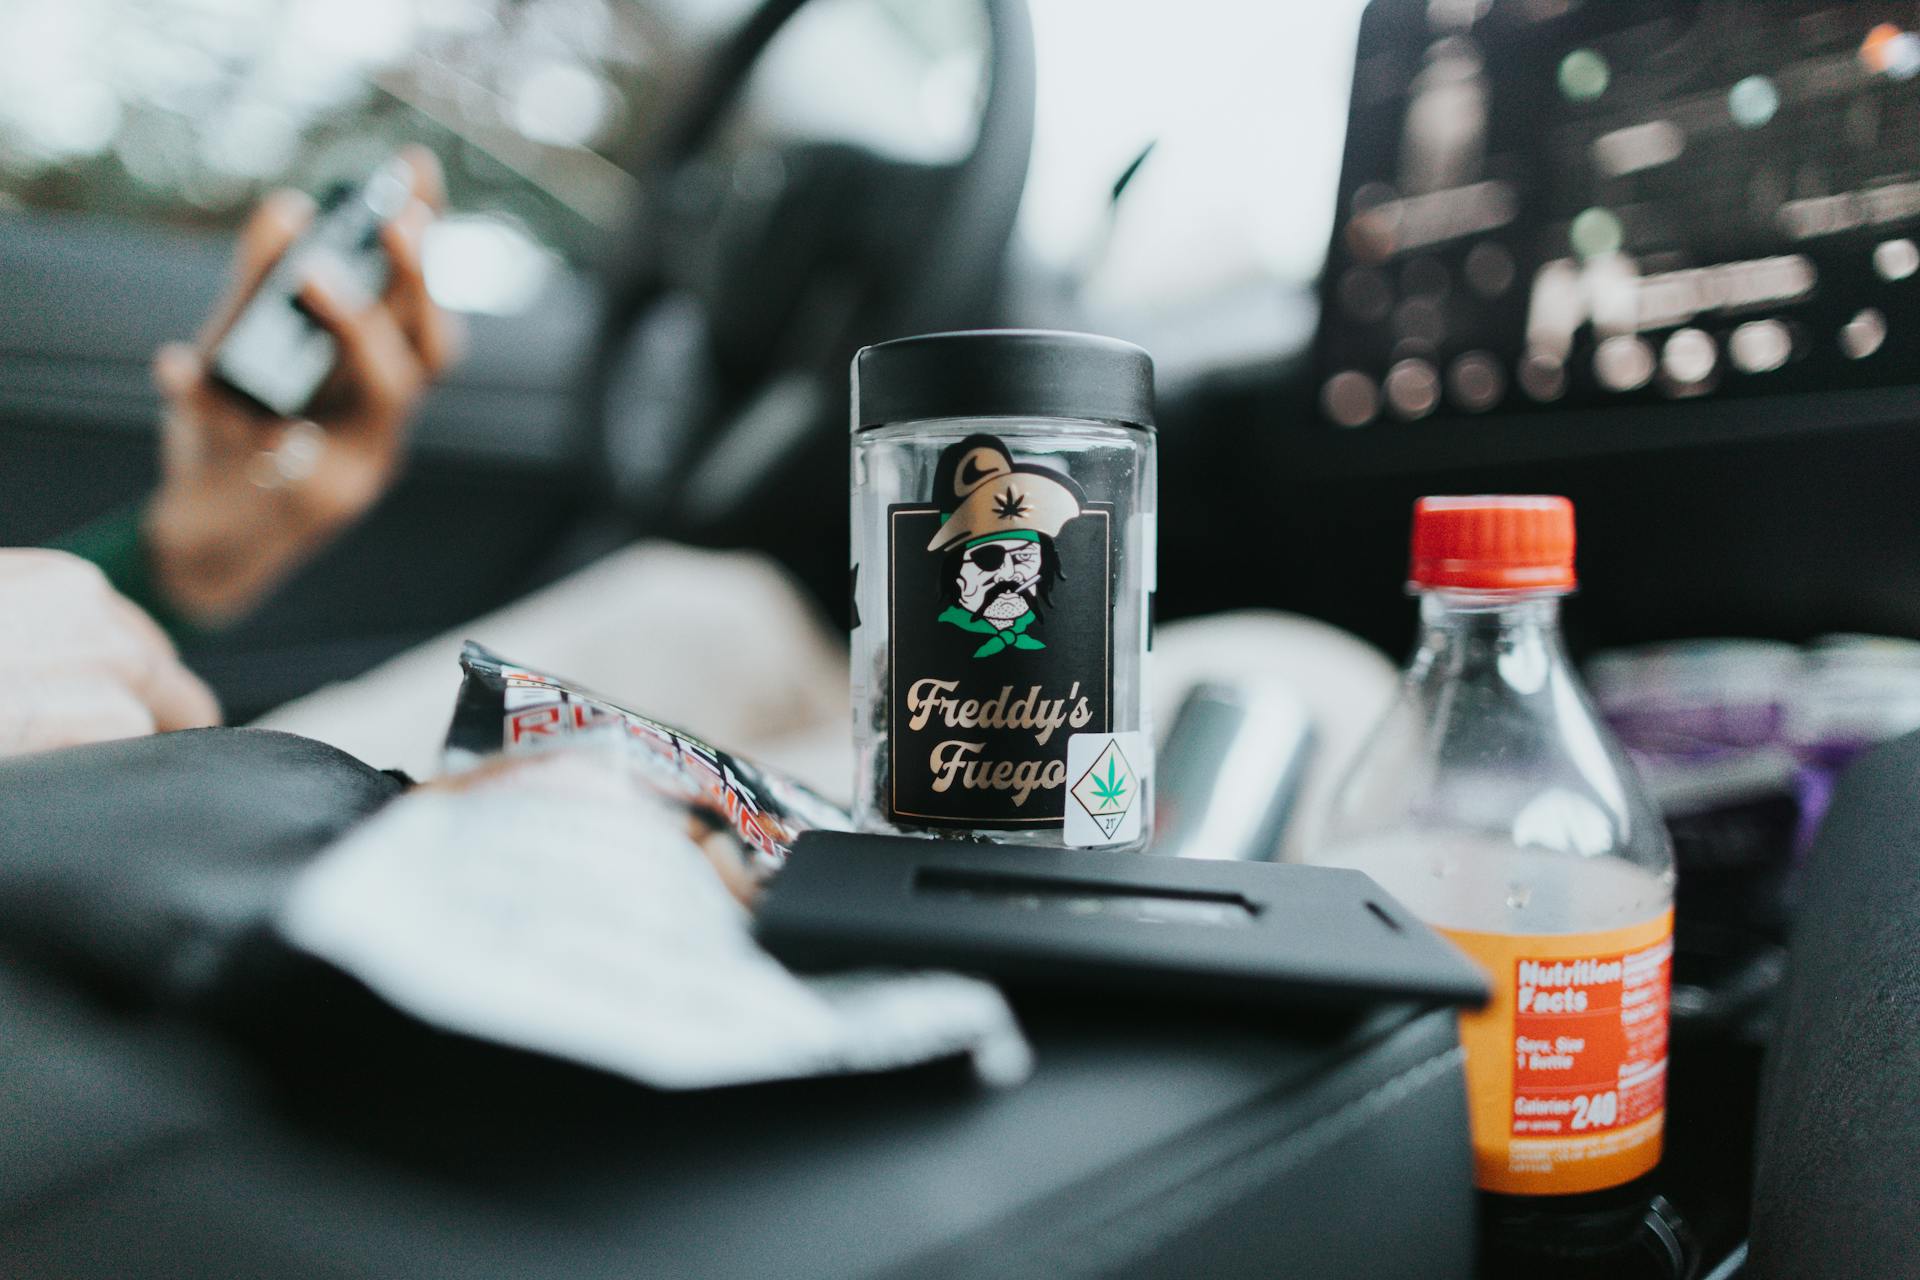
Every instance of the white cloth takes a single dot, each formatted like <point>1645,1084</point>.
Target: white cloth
<point>722,645</point>
<point>556,907</point>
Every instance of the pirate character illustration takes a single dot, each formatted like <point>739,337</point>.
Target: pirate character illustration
<point>1001,563</point>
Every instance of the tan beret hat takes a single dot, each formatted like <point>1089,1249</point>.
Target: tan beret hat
<point>997,498</point>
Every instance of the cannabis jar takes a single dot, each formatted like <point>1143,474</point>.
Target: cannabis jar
<point>1003,577</point>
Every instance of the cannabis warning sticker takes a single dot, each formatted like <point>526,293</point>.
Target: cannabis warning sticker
<point>1106,771</point>
<point>1000,592</point>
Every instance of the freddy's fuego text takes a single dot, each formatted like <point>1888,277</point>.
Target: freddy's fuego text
<point>957,760</point>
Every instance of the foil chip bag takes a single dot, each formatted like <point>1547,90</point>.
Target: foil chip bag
<point>506,708</point>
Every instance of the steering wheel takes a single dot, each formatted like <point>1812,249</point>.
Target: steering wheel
<point>717,398</point>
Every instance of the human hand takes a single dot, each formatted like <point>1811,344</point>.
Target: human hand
<point>246,497</point>
<point>718,845</point>
<point>83,664</point>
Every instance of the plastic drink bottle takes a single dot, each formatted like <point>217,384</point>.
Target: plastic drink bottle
<point>1496,806</point>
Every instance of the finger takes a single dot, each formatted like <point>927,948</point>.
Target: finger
<point>276,223</point>
<point>177,370</point>
<point>47,713</point>
<point>179,699</point>
<point>101,638</point>
<point>429,182</point>
<point>422,323</point>
<point>176,698</point>
<point>425,325</point>
<point>274,226</point>
<point>376,360</point>
<point>722,852</point>
<point>202,418</point>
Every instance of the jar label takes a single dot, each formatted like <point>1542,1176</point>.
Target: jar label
<point>1104,772</point>
<point>1000,596</point>
<point>1567,1066</point>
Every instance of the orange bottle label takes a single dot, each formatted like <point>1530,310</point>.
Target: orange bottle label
<point>1567,1066</point>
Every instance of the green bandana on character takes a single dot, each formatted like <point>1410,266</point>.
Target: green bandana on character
<point>1011,535</point>
<point>1013,637</point>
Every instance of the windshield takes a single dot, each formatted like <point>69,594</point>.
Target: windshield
<point>184,111</point>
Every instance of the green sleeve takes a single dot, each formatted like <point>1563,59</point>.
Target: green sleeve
<point>115,543</point>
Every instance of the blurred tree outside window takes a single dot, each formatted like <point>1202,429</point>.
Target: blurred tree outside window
<point>185,111</point>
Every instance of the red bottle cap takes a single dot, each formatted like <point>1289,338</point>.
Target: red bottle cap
<point>1493,542</point>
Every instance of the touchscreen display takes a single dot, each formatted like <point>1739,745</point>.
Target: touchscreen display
<point>1554,203</point>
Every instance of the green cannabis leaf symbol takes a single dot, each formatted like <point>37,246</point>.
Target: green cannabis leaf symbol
<point>1110,789</point>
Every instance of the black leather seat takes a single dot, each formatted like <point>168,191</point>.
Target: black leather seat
<point>1837,1176</point>
<point>183,1097</point>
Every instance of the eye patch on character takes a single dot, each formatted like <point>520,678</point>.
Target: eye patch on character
<point>1001,562</point>
<point>989,558</point>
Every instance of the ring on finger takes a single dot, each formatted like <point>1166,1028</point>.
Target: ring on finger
<point>291,461</point>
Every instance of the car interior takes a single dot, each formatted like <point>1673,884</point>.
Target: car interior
<point>1653,255</point>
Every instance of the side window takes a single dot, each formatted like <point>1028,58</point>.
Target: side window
<point>184,111</point>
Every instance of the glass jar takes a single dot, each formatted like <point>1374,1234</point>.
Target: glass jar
<point>1003,576</point>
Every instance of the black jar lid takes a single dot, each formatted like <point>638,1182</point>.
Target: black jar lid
<point>1003,373</point>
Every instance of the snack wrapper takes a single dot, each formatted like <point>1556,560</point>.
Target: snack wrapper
<point>504,707</point>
